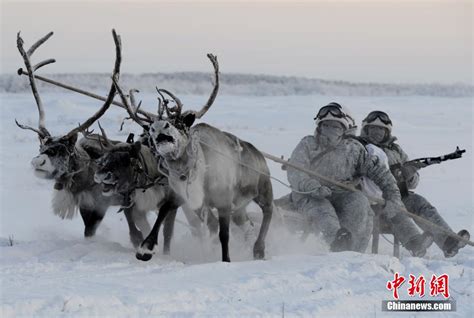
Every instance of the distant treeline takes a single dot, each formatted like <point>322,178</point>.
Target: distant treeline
<point>236,84</point>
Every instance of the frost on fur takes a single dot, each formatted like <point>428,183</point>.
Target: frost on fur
<point>64,205</point>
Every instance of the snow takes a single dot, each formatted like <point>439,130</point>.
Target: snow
<point>51,270</point>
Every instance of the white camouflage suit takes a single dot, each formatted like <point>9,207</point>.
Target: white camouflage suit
<point>347,162</point>
<point>414,203</point>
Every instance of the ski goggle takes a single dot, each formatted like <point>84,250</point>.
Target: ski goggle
<point>380,115</point>
<point>333,108</point>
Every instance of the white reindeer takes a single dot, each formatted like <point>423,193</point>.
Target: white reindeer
<point>208,168</point>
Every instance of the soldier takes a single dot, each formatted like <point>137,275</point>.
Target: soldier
<point>377,129</point>
<point>344,217</point>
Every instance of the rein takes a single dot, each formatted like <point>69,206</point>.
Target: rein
<point>140,168</point>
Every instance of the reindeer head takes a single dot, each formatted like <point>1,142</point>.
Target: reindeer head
<point>56,153</point>
<point>54,157</point>
<point>117,168</point>
<point>169,135</point>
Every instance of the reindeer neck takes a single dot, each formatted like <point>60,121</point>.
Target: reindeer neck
<point>145,172</point>
<point>182,168</point>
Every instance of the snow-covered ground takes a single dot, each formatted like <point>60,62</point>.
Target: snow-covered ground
<point>51,270</point>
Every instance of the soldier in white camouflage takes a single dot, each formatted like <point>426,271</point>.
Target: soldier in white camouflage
<point>344,217</point>
<point>377,129</point>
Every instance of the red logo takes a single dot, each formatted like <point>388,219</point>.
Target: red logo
<point>417,286</point>
<point>395,284</point>
<point>439,285</point>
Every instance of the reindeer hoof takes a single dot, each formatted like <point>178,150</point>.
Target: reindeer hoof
<point>258,253</point>
<point>144,253</point>
<point>89,232</point>
<point>144,257</point>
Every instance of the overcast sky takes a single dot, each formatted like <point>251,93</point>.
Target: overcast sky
<point>363,41</point>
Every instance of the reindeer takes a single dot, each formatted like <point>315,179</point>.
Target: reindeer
<point>69,162</point>
<point>130,170</point>
<point>207,168</point>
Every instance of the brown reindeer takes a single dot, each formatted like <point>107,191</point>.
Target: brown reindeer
<point>69,162</point>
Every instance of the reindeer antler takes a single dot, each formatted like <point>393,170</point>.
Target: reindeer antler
<point>160,108</point>
<point>213,95</point>
<point>106,142</point>
<point>163,106</point>
<point>132,109</point>
<point>176,111</point>
<point>112,91</point>
<point>41,131</point>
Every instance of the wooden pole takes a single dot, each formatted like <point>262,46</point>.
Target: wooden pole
<point>78,90</point>
<point>271,157</point>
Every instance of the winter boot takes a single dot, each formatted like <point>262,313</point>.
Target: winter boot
<point>452,245</point>
<point>342,242</point>
<point>418,244</point>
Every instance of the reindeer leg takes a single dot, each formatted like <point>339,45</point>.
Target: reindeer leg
<point>141,221</point>
<point>224,220</point>
<point>212,223</point>
<point>265,201</point>
<point>194,222</point>
<point>259,247</point>
<point>168,229</point>
<point>92,219</point>
<point>145,252</point>
<point>136,236</point>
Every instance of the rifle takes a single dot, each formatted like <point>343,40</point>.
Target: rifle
<point>397,169</point>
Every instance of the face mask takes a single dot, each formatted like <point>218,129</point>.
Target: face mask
<point>376,134</point>
<point>330,133</point>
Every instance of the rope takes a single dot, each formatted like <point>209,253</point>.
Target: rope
<point>256,170</point>
<point>386,239</point>
<point>276,159</point>
<point>336,183</point>
<point>376,200</point>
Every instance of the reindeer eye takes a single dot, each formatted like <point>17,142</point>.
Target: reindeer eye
<point>167,125</point>
<point>50,152</point>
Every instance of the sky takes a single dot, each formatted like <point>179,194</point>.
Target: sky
<point>362,41</point>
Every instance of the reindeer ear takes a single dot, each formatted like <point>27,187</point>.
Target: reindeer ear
<point>189,119</point>
<point>45,140</point>
<point>135,150</point>
<point>130,138</point>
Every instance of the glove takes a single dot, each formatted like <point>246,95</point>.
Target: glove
<point>321,192</point>
<point>316,190</point>
<point>408,171</point>
<point>392,208</point>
